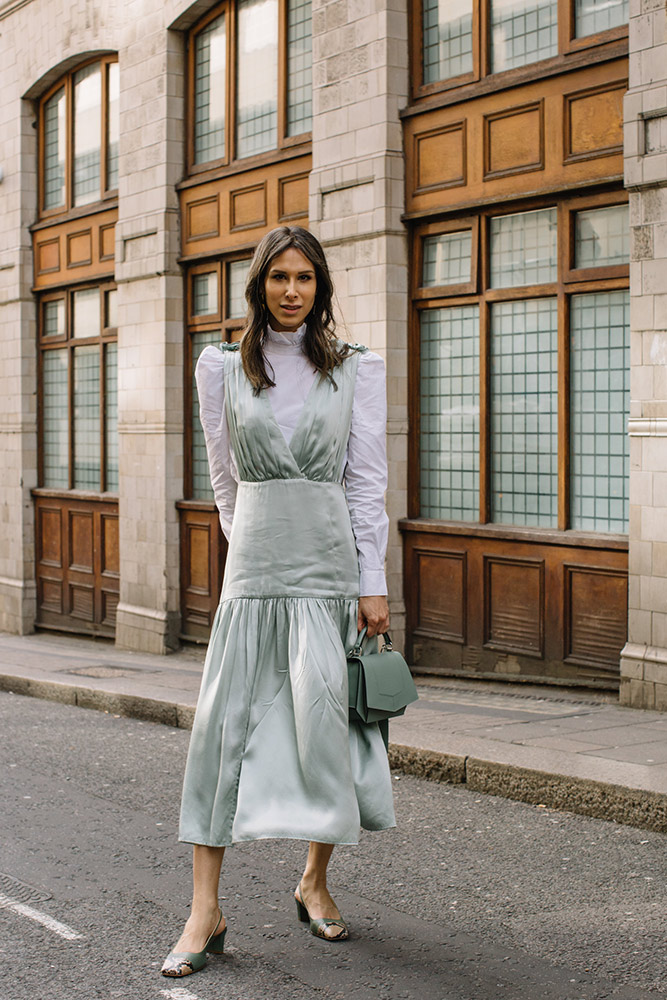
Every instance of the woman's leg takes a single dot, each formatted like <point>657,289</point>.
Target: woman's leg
<point>205,912</point>
<point>313,886</point>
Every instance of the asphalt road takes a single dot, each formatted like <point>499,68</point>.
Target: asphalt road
<point>470,898</point>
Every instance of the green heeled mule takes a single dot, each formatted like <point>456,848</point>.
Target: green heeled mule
<point>319,925</point>
<point>184,963</point>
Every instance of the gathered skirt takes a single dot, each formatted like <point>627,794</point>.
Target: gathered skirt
<point>272,753</point>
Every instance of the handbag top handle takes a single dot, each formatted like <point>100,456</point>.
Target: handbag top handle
<point>356,649</point>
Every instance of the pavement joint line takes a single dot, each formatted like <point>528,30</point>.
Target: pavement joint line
<point>62,930</point>
<point>584,796</point>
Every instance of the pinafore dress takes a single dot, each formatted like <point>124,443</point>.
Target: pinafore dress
<point>272,753</point>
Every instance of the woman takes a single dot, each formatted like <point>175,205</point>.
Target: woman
<point>286,418</point>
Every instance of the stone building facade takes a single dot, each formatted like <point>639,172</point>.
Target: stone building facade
<point>644,659</point>
<point>409,138</point>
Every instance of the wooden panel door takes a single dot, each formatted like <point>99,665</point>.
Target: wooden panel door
<point>77,563</point>
<point>203,551</point>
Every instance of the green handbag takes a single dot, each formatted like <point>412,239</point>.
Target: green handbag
<point>380,683</point>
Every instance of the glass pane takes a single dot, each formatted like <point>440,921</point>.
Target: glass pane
<point>602,237</point>
<point>299,67</point>
<point>257,83</point>
<point>111,309</point>
<point>237,272</point>
<point>522,31</point>
<point>201,481</point>
<point>205,294</point>
<point>599,409</point>
<point>55,143</point>
<point>87,134</point>
<point>447,39</point>
<point>111,415</point>
<point>210,91</point>
<point>87,418</point>
<point>447,259</point>
<point>449,439</point>
<point>53,318</point>
<point>86,312</point>
<point>113,125</point>
<point>524,412</point>
<point>55,418</point>
<point>524,248</point>
<point>591,16</point>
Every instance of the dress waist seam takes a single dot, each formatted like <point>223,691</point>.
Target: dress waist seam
<point>284,597</point>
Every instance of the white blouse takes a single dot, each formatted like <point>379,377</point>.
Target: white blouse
<point>365,461</point>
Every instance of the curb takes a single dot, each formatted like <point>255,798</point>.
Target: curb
<point>130,705</point>
<point>586,797</point>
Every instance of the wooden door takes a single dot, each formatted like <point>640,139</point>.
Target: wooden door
<point>77,565</point>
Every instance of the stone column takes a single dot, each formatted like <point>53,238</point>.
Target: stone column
<point>360,81</point>
<point>18,361</point>
<point>150,332</point>
<point>644,658</point>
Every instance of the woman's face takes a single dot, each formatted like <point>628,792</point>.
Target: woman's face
<point>289,288</point>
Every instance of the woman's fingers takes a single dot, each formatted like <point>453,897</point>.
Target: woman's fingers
<point>374,613</point>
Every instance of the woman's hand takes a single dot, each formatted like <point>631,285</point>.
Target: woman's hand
<point>373,612</point>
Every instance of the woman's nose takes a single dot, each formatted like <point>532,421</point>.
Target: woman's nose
<point>291,289</point>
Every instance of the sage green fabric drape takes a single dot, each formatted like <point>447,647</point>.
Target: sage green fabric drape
<point>272,753</point>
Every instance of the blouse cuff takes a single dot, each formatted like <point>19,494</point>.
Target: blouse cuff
<point>372,583</point>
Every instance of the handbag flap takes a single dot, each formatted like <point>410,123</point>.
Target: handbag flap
<point>389,684</point>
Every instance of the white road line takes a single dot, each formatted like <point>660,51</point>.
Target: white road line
<point>179,993</point>
<point>41,918</point>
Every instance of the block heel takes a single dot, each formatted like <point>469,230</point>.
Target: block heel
<point>216,945</point>
<point>302,912</point>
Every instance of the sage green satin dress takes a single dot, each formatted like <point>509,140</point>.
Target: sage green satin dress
<point>272,753</point>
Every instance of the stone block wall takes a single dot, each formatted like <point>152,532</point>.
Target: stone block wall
<point>150,332</point>
<point>360,81</point>
<point>644,659</point>
<point>41,40</point>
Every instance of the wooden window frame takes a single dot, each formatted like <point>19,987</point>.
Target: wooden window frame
<point>569,208</point>
<point>569,282</point>
<point>567,42</point>
<point>568,45</point>
<point>285,142</point>
<point>231,328</point>
<point>66,82</point>
<point>467,224</point>
<point>204,321</point>
<point>107,335</point>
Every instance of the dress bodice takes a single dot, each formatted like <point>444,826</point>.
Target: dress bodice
<point>317,446</point>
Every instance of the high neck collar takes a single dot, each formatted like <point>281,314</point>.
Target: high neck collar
<point>287,340</point>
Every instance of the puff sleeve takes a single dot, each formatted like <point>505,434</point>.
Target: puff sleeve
<point>209,376</point>
<point>366,473</point>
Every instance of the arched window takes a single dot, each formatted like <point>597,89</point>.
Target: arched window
<point>78,138</point>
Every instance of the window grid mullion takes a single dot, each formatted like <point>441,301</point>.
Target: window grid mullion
<point>563,410</point>
<point>232,77</point>
<point>102,395</point>
<point>282,72</point>
<point>104,166</point>
<point>485,412</point>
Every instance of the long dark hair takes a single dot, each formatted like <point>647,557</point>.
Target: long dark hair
<point>320,345</point>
